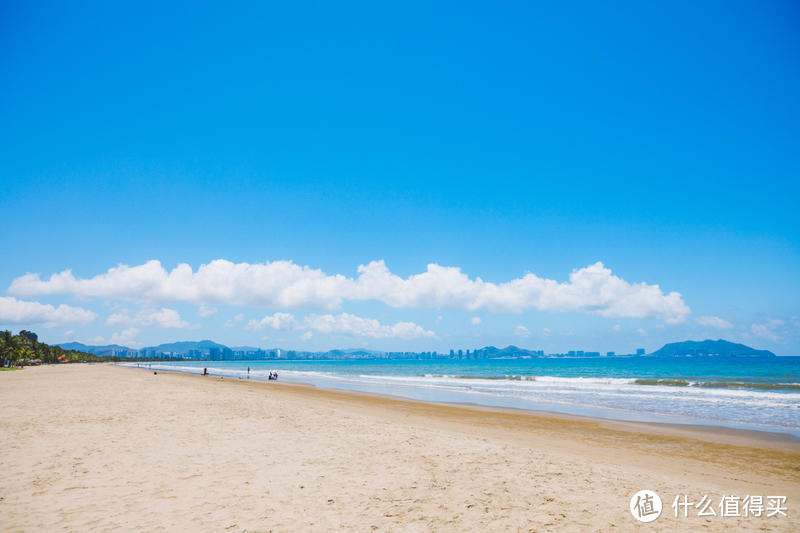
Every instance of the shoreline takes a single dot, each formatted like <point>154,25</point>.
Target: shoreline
<point>721,434</point>
<point>87,447</point>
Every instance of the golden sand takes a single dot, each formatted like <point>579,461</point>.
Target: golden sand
<point>99,447</point>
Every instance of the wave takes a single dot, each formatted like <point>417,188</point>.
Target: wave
<point>663,382</point>
<point>471,376</point>
<point>510,379</point>
<point>720,384</point>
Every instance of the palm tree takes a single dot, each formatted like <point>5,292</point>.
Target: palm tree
<point>6,347</point>
<point>26,353</point>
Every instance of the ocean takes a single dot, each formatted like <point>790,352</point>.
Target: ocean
<point>747,393</point>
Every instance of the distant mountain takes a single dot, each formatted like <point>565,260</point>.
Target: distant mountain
<point>720,348</point>
<point>508,351</point>
<point>185,346</point>
<point>108,349</point>
<point>351,353</point>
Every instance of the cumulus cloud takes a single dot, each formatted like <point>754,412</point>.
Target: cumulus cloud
<point>126,337</point>
<point>522,331</point>
<point>205,311</point>
<point>233,321</point>
<point>769,329</point>
<point>13,311</point>
<point>277,321</point>
<point>163,318</point>
<point>347,324</point>
<point>714,322</point>
<point>343,324</point>
<point>283,284</point>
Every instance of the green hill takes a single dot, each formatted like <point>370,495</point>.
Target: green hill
<point>719,348</point>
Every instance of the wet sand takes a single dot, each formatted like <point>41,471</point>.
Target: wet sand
<point>99,447</point>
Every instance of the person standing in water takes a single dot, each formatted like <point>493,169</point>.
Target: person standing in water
<point>248,372</point>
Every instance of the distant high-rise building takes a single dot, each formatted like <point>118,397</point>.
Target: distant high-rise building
<point>610,354</point>
<point>639,351</point>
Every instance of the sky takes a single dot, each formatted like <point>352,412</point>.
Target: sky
<point>401,176</point>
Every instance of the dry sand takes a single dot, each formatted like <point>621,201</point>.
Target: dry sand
<point>98,447</point>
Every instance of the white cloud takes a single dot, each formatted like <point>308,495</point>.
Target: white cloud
<point>13,311</point>
<point>768,329</point>
<point>278,321</point>
<point>546,332</point>
<point>232,322</point>
<point>343,323</point>
<point>439,319</point>
<point>617,328</point>
<point>593,289</point>
<point>126,338</point>
<point>347,324</point>
<point>163,318</point>
<point>476,320</point>
<point>641,331</point>
<point>205,311</point>
<point>714,322</point>
<point>522,331</point>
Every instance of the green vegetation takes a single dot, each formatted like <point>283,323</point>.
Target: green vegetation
<point>25,349</point>
<point>718,348</point>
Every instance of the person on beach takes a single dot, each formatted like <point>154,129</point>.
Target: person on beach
<point>205,371</point>
<point>248,372</point>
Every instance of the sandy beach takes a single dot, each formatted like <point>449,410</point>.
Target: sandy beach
<point>101,447</point>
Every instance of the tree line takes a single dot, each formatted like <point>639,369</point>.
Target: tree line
<point>25,349</point>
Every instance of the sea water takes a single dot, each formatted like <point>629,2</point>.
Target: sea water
<point>750,393</point>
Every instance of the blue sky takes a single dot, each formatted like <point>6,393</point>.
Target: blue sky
<point>659,139</point>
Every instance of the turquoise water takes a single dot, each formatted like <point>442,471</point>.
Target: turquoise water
<point>751,393</point>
